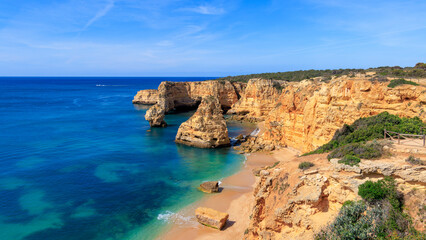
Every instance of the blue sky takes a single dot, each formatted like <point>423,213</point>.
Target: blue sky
<point>206,38</point>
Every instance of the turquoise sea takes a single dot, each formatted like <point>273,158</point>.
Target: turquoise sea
<point>77,161</point>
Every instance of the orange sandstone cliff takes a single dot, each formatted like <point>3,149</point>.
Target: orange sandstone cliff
<point>305,115</point>
<point>206,128</point>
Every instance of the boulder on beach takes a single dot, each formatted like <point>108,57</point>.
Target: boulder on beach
<point>209,187</point>
<point>211,218</point>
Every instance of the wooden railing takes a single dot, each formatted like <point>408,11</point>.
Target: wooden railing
<point>403,136</point>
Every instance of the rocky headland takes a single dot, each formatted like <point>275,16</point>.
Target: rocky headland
<point>289,203</point>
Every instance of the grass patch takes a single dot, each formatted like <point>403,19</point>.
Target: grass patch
<point>415,161</point>
<point>305,165</point>
<point>350,160</point>
<point>400,81</point>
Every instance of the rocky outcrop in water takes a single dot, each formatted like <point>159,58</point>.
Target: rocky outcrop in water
<point>176,96</point>
<point>155,116</point>
<point>148,97</point>
<point>206,128</point>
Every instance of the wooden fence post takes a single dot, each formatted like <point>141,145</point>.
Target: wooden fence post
<point>399,141</point>
<point>385,134</point>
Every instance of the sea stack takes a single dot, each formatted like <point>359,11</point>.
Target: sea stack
<point>206,128</point>
<point>155,116</point>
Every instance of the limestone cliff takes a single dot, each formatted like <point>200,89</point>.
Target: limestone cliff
<point>206,128</point>
<point>148,97</point>
<point>305,115</point>
<point>258,99</point>
<point>188,95</point>
<point>294,204</point>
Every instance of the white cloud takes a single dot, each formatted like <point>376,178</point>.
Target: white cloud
<point>206,10</point>
<point>100,13</point>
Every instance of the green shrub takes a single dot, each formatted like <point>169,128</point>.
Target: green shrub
<point>354,221</point>
<point>350,160</point>
<point>415,161</point>
<point>385,188</point>
<point>367,129</point>
<point>369,150</point>
<point>400,81</point>
<point>305,165</point>
<point>377,218</point>
<point>371,191</point>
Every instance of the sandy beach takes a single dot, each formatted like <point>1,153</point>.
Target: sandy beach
<point>236,198</point>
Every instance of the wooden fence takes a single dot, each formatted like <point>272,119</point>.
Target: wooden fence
<point>404,136</point>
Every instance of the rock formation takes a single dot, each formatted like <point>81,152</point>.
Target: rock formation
<point>187,95</point>
<point>258,99</point>
<point>155,116</point>
<point>206,128</point>
<point>211,217</point>
<point>210,187</point>
<point>303,115</point>
<point>308,113</point>
<point>148,97</point>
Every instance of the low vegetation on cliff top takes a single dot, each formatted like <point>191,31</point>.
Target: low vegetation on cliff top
<point>418,71</point>
<point>354,139</point>
<point>378,216</point>
<point>401,81</point>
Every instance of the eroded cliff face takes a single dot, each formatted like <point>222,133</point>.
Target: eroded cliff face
<point>206,128</point>
<point>188,95</point>
<point>305,115</point>
<point>258,99</point>
<point>294,204</point>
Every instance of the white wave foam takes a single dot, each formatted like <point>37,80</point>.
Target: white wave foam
<point>175,218</point>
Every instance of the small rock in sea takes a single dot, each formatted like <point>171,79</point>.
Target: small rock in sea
<point>211,218</point>
<point>210,187</point>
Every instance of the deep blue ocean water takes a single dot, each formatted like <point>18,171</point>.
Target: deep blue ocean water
<point>77,160</point>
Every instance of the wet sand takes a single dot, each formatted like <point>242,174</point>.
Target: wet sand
<point>236,199</point>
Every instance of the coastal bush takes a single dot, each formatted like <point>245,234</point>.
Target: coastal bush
<point>366,129</point>
<point>417,71</point>
<point>369,150</point>
<point>415,161</point>
<point>385,188</point>
<point>305,165</point>
<point>378,216</point>
<point>350,160</point>
<point>400,81</point>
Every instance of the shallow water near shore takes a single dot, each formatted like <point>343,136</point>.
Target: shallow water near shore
<point>78,160</point>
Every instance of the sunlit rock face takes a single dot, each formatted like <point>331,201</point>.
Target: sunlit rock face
<point>206,128</point>
<point>148,97</point>
<point>176,96</point>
